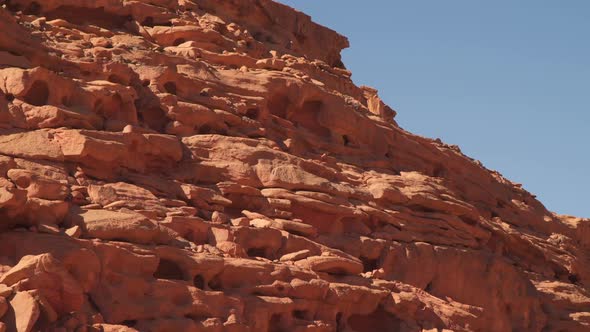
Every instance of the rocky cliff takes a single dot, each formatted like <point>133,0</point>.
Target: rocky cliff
<point>203,165</point>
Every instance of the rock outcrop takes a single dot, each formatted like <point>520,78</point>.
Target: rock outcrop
<point>201,165</point>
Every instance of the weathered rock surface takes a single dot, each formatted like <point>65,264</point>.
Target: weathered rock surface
<point>200,165</point>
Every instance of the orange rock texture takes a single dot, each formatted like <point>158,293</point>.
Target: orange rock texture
<point>206,165</point>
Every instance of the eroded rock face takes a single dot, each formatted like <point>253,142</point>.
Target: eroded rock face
<point>201,165</point>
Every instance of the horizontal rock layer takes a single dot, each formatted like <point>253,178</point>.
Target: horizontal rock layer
<point>200,165</point>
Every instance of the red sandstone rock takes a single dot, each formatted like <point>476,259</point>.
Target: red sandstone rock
<point>202,165</point>
<point>24,312</point>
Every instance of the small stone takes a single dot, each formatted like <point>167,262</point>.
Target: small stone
<point>128,129</point>
<point>206,92</point>
<point>261,223</point>
<point>48,229</point>
<point>74,232</point>
<point>172,202</point>
<point>295,256</point>
<point>242,221</point>
<point>219,218</point>
<point>26,310</point>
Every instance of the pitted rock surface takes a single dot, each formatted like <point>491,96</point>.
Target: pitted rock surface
<point>201,165</point>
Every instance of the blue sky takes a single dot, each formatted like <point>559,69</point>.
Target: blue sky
<point>508,81</point>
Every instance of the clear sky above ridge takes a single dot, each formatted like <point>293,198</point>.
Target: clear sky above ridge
<point>508,81</point>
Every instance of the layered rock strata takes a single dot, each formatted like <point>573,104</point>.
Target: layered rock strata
<point>200,165</point>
